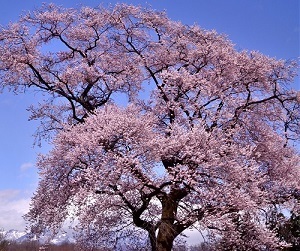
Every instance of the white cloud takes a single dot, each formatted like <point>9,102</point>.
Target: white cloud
<point>13,205</point>
<point>28,173</point>
<point>26,166</point>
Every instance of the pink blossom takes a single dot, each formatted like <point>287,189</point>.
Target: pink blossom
<point>212,145</point>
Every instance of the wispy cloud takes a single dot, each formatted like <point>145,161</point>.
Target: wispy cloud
<point>28,174</point>
<point>26,166</point>
<point>13,205</point>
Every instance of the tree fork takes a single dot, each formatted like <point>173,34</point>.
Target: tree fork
<point>168,231</point>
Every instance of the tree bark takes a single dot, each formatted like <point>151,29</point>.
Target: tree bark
<point>167,231</point>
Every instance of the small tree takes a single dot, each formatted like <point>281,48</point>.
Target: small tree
<point>286,228</point>
<point>3,242</point>
<point>203,247</point>
<point>23,246</point>
<point>205,136</point>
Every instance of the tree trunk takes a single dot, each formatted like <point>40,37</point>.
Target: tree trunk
<point>167,231</point>
<point>165,239</point>
<point>168,228</point>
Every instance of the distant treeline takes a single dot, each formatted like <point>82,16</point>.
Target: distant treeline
<point>6,245</point>
<point>36,246</point>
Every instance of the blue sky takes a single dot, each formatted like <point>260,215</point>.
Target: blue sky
<point>269,26</point>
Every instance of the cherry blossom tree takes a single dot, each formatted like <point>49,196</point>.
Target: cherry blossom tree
<point>204,136</point>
